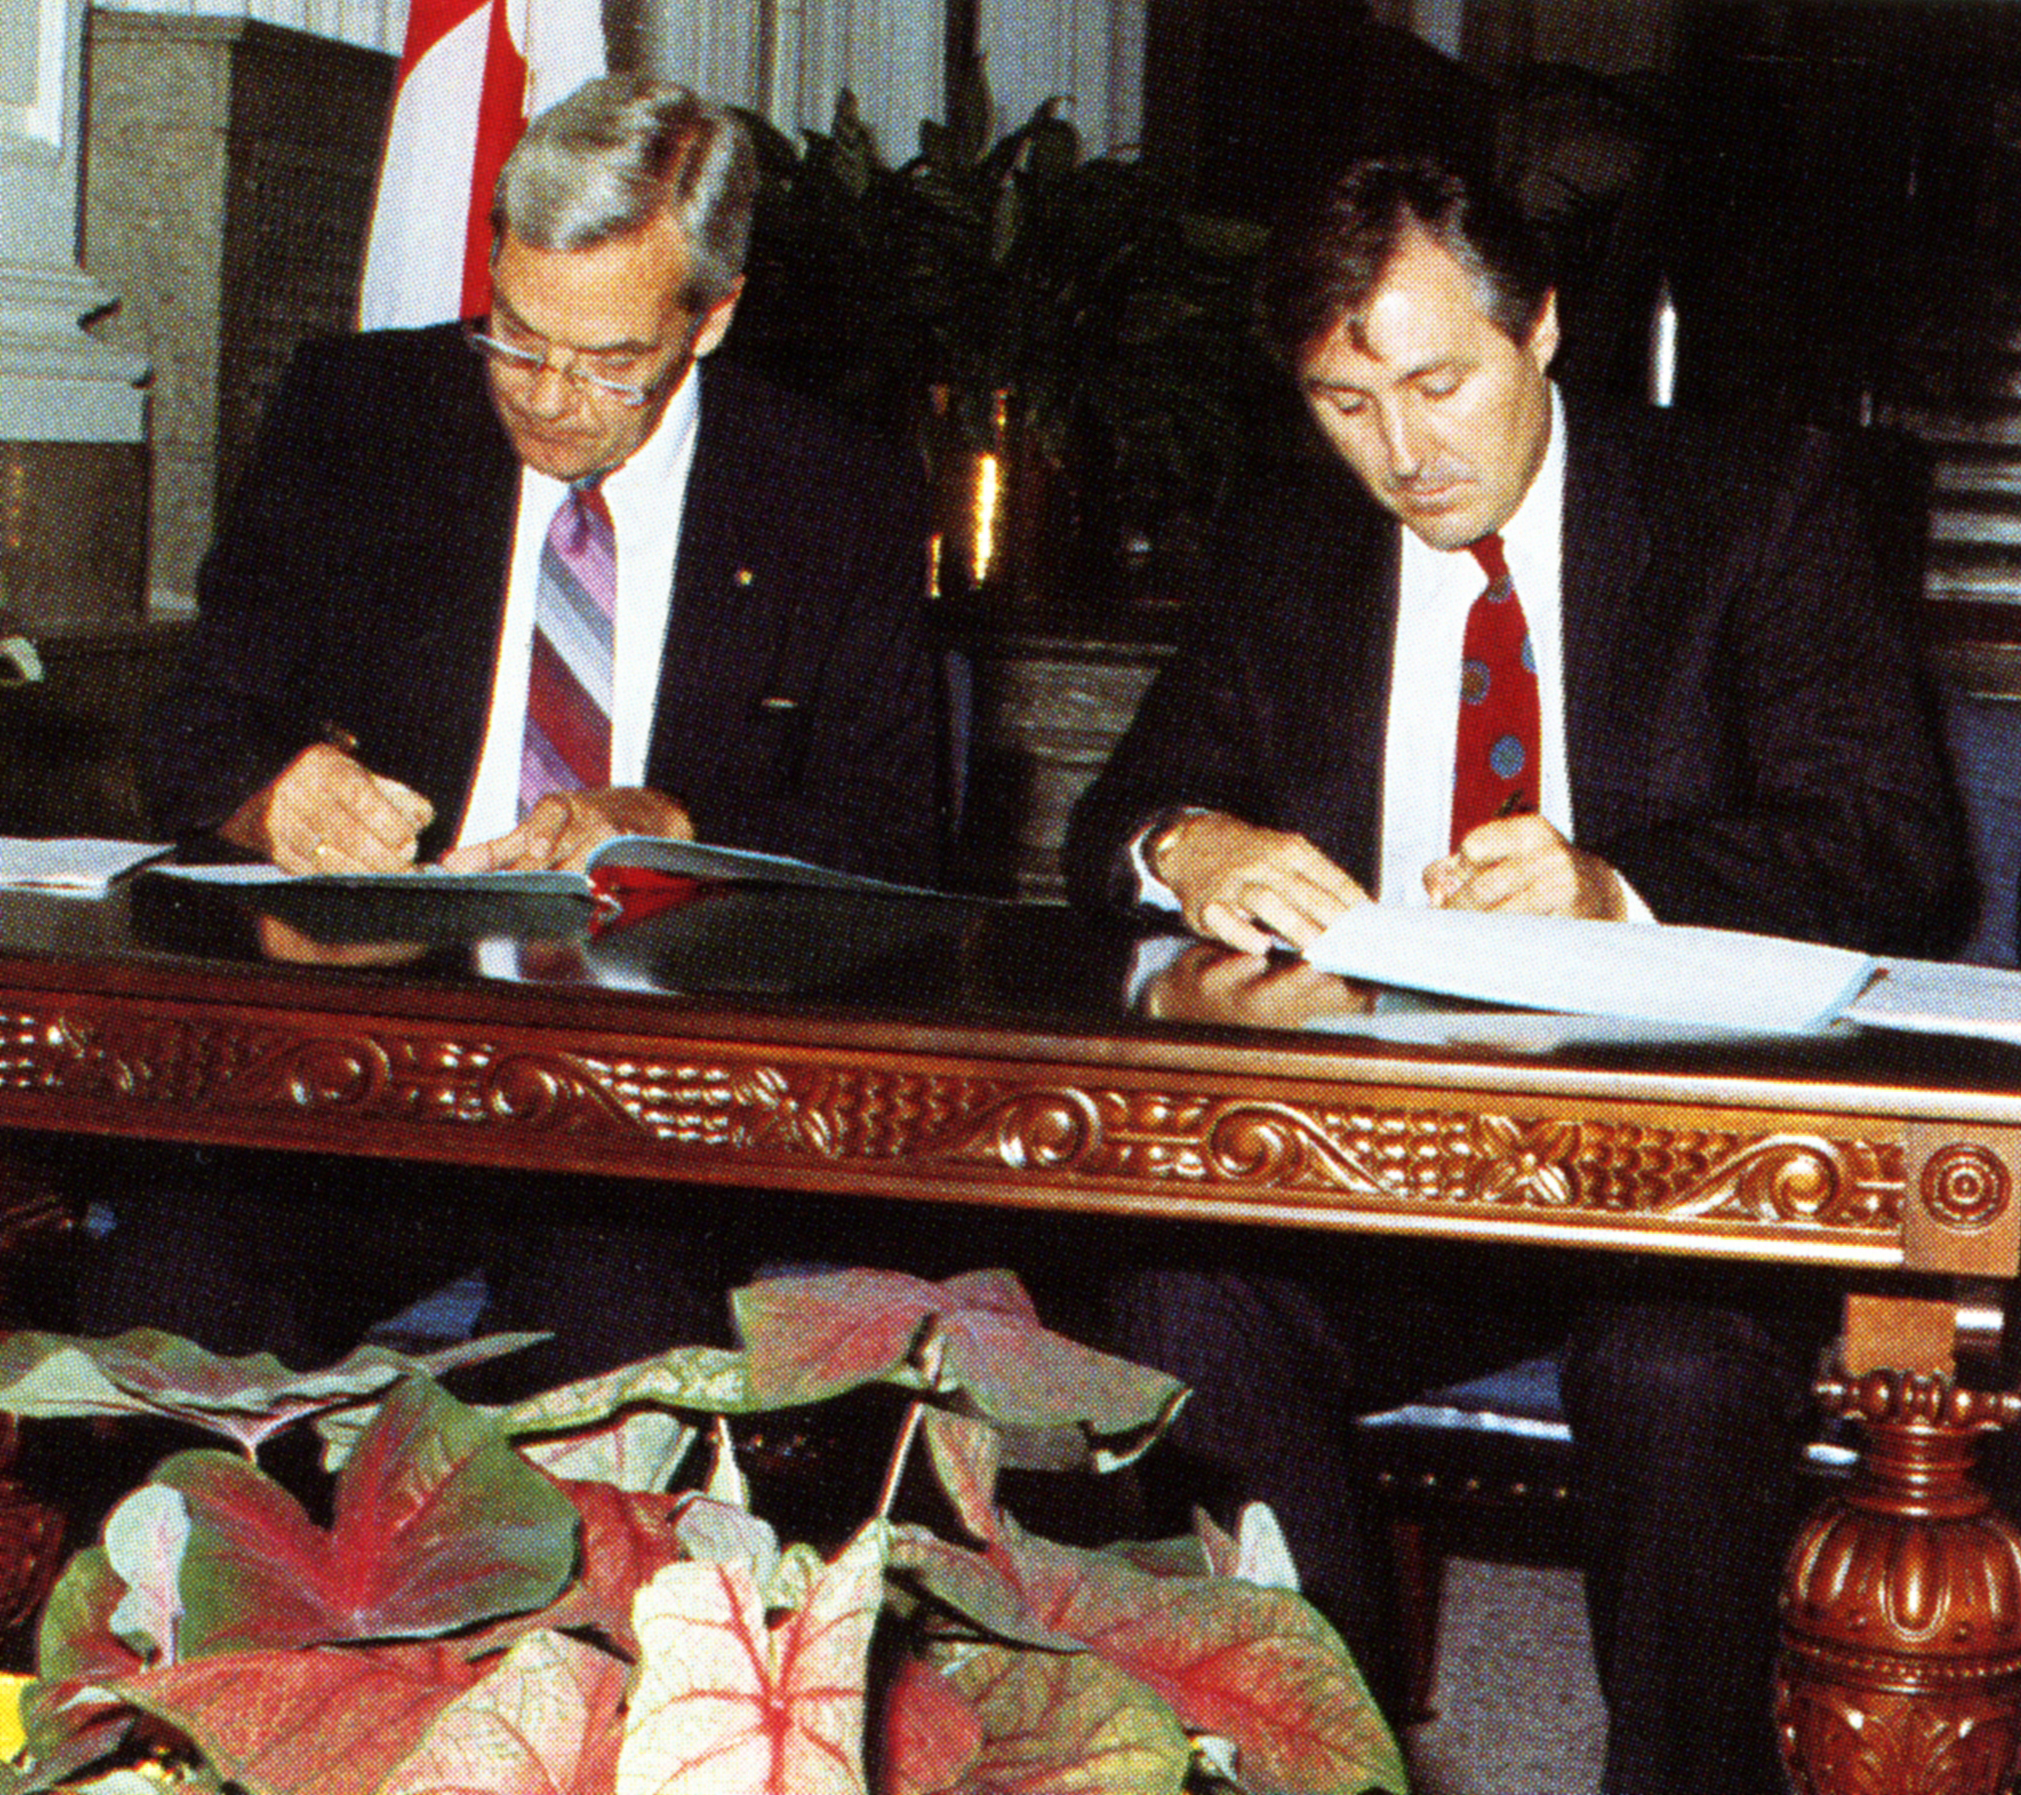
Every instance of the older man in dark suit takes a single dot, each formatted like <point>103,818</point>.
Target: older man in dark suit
<point>495,593</point>
<point>381,642</point>
<point>1500,650</point>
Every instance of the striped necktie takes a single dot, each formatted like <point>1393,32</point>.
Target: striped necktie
<point>568,695</point>
<point>1495,757</point>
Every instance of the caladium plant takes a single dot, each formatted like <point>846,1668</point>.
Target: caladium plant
<point>528,1601</point>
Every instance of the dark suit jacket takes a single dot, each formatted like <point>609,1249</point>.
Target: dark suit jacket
<point>1749,739</point>
<point>359,582</point>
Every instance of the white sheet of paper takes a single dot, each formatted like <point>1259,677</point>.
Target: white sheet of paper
<point>81,864</point>
<point>1715,978</point>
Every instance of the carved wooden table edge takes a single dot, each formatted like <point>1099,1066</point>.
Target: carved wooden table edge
<point>1054,1124</point>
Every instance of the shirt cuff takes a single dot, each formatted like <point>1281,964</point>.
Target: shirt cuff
<point>1152,891</point>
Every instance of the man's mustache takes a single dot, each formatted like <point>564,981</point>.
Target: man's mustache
<point>1431,479</point>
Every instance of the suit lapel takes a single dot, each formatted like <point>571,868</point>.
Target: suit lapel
<point>722,613</point>
<point>472,511</point>
<point>1360,720</point>
<point>1605,613</point>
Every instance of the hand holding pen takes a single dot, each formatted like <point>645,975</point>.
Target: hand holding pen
<point>1520,863</point>
<point>326,812</point>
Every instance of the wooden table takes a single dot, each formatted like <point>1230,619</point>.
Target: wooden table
<point>948,1051</point>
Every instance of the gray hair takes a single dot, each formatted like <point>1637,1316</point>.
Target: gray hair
<point>621,151</point>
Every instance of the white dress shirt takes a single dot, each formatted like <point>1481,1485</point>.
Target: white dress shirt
<point>1436,590</point>
<point>646,494</point>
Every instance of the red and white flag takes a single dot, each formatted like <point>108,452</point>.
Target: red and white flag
<point>471,75</point>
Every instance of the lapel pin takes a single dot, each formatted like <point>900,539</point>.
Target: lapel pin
<point>745,576</point>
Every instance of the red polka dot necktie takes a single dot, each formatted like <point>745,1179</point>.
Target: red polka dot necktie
<point>568,694</point>
<point>1495,759</point>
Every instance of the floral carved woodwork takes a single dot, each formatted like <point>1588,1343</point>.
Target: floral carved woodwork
<point>982,1122</point>
<point>1901,1664</point>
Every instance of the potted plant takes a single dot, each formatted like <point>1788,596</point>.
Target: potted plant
<point>515,1598</point>
<point>1017,300</point>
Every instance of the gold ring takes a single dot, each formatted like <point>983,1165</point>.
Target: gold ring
<point>319,850</point>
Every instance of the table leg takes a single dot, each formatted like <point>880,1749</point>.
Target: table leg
<point>1900,1671</point>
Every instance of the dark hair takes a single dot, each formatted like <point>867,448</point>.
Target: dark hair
<point>1331,249</point>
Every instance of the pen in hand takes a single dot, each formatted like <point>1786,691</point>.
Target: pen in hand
<point>413,812</point>
<point>1445,878</point>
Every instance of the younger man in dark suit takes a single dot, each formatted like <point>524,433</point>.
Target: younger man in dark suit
<point>1504,650</point>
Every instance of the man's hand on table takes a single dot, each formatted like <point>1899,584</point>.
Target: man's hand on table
<point>565,828</point>
<point>1522,865</point>
<point>326,813</point>
<point>1210,983</point>
<point>1242,885</point>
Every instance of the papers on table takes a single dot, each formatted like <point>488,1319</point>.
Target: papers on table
<point>1703,979</point>
<point>1711,978</point>
<point>651,853</point>
<point>84,866</point>
<point>420,878</point>
<point>1936,998</point>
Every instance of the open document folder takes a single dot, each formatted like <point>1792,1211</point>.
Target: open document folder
<point>607,870</point>
<point>1716,978</point>
<point>1708,978</point>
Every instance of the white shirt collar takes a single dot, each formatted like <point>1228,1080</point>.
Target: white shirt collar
<point>1535,529</point>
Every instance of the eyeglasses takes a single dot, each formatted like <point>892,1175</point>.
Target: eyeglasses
<point>527,365</point>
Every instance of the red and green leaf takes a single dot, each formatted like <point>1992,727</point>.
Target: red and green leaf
<point>1067,1725</point>
<point>77,1650</point>
<point>68,1738</point>
<point>977,1586</point>
<point>931,1734</point>
<point>966,1457</point>
<point>705,1378</point>
<point>327,1721</point>
<point>723,1533</point>
<point>148,1372</point>
<point>439,1525</point>
<point>725,1700</point>
<point>546,1721</point>
<point>808,1339</point>
<point>76,1641</point>
<point>639,1450</point>
<point>1259,1666</point>
<point>628,1537</point>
